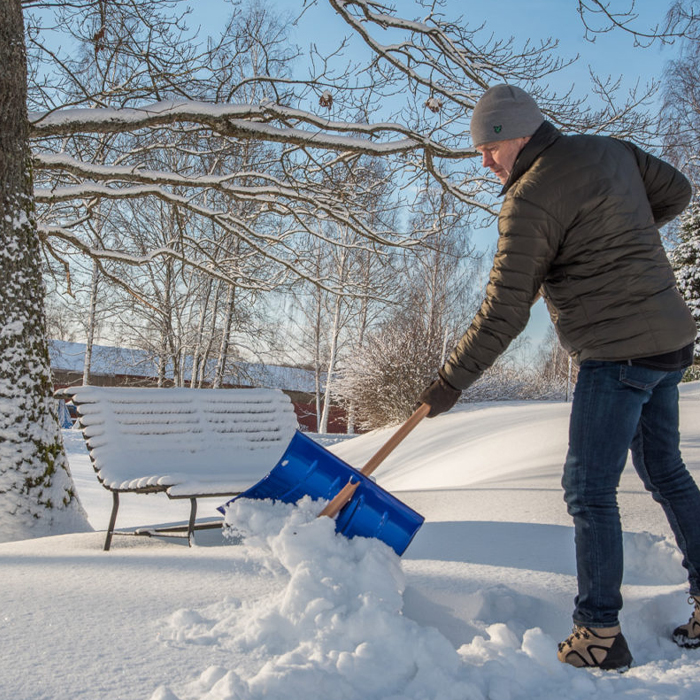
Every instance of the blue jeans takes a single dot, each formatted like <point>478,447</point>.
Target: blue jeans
<point>617,407</point>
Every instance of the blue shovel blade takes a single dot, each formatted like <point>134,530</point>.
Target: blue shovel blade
<point>308,469</point>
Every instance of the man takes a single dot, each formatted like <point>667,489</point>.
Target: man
<point>579,225</point>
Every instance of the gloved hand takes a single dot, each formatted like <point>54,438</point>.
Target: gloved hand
<point>440,396</point>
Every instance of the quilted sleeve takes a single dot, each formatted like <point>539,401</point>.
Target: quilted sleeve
<point>668,190</point>
<point>528,242</point>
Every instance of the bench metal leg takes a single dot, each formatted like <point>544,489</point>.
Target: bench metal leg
<point>193,517</point>
<point>112,520</point>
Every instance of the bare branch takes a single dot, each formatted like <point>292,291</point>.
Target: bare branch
<point>602,16</point>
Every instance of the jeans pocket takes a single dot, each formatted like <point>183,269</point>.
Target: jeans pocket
<point>643,378</point>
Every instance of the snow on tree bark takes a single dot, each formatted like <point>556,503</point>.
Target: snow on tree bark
<point>37,495</point>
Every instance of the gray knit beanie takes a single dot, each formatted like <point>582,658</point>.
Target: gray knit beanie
<point>504,112</point>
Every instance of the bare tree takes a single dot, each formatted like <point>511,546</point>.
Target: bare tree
<point>439,68</point>
<point>436,292</point>
<point>603,16</point>
<point>383,378</point>
<point>554,368</point>
<point>91,324</point>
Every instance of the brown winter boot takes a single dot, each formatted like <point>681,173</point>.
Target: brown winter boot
<point>596,647</point>
<point>688,635</point>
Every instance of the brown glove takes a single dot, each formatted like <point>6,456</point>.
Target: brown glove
<point>440,396</point>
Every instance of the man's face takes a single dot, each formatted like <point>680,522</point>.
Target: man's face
<point>499,156</point>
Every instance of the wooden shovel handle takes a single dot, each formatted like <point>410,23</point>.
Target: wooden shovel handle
<point>343,496</point>
<point>346,493</point>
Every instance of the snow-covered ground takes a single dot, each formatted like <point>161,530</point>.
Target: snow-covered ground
<point>473,610</point>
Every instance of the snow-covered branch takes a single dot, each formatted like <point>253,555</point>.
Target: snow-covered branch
<point>247,122</point>
<point>306,202</point>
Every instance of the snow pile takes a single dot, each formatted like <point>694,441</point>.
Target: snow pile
<point>334,630</point>
<point>652,560</point>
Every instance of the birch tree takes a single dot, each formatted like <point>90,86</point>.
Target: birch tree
<point>343,263</point>
<point>91,324</point>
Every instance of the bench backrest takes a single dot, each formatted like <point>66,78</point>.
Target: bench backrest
<point>225,438</point>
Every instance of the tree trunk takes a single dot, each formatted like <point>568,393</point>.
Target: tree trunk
<point>363,322</point>
<point>162,364</point>
<point>197,352</point>
<point>203,365</point>
<point>335,333</point>
<point>37,495</point>
<point>225,337</point>
<point>171,339</point>
<point>317,358</point>
<point>87,363</point>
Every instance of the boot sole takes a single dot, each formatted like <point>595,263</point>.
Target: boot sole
<point>620,669</point>
<point>686,643</point>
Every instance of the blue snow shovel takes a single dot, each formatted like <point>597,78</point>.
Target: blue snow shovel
<point>360,506</point>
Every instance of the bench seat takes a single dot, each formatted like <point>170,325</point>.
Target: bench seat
<point>187,443</point>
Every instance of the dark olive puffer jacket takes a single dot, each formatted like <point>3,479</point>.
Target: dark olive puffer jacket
<point>579,224</point>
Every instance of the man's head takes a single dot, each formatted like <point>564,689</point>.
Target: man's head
<point>503,121</point>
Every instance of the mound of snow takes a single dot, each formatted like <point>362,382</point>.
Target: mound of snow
<point>336,628</point>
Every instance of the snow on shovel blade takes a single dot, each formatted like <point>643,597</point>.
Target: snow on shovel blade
<point>308,469</point>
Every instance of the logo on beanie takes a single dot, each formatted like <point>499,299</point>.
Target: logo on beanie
<point>498,128</point>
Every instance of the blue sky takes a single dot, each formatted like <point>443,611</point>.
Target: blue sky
<point>613,53</point>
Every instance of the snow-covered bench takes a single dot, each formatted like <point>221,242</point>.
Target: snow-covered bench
<point>187,443</point>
